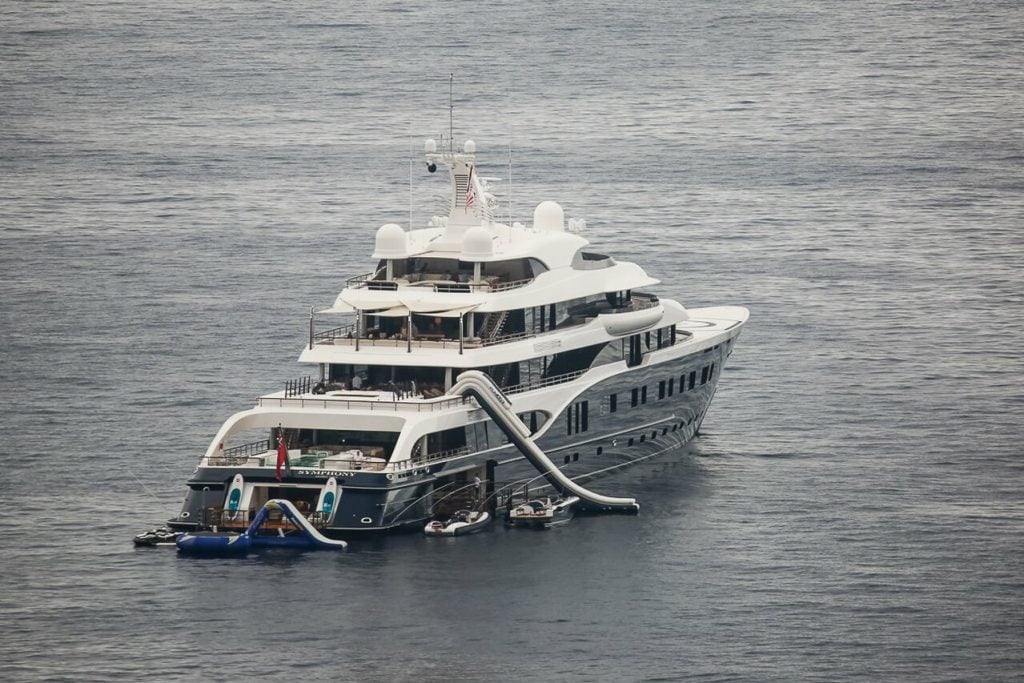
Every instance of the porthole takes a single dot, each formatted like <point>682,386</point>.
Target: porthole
<point>186,515</point>
<point>366,520</point>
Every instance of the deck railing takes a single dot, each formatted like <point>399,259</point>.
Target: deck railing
<point>346,334</point>
<point>547,382</point>
<point>298,387</point>
<point>343,332</point>
<point>336,403</point>
<point>416,405</point>
<point>446,286</point>
<point>439,455</point>
<point>239,455</point>
<point>395,342</point>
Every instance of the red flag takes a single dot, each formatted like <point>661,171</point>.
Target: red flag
<point>282,453</point>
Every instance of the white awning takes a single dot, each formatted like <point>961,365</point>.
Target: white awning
<point>451,313</point>
<point>402,312</point>
<point>396,312</point>
<point>419,302</point>
<point>368,299</point>
<point>338,307</point>
<point>344,308</point>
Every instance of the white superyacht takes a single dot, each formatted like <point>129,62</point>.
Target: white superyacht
<point>481,360</point>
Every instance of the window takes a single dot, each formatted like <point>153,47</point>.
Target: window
<point>643,394</point>
<point>711,373</point>
<point>704,375</point>
<point>643,437</point>
<point>567,460</point>
<point>630,441</point>
<point>577,418</point>
<point>635,397</point>
<point>613,403</point>
<point>575,360</point>
<point>661,390</point>
<point>671,385</point>
<point>575,457</point>
<point>654,435</point>
<point>635,351</point>
<point>693,379</point>
<point>600,450</point>
<point>682,383</point>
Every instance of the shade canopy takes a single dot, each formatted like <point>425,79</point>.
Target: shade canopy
<point>403,311</point>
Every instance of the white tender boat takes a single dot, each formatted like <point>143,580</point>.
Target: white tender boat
<point>461,523</point>
<point>543,512</point>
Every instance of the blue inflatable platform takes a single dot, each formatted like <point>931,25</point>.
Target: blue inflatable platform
<point>303,537</point>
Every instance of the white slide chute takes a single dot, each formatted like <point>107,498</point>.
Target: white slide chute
<point>492,399</point>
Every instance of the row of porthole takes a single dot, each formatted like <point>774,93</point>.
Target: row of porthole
<point>632,440</point>
<point>576,456</point>
<point>664,431</point>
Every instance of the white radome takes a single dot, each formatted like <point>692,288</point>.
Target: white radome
<point>477,244</point>
<point>390,241</point>
<point>549,216</point>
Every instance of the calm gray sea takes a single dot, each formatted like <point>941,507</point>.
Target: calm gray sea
<point>180,181</point>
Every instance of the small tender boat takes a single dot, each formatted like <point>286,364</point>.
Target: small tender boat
<point>158,536</point>
<point>543,512</point>
<point>461,523</point>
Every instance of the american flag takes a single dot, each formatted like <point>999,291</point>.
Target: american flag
<point>470,195</point>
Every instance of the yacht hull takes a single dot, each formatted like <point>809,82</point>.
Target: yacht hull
<point>648,417</point>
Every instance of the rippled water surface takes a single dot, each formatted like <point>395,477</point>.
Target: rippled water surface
<point>178,183</point>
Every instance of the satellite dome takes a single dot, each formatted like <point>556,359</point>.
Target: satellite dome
<point>470,147</point>
<point>390,242</point>
<point>477,244</point>
<point>549,216</point>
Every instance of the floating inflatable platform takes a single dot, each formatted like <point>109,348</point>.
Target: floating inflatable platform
<point>302,536</point>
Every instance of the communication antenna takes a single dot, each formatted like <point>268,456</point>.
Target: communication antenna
<point>410,182</point>
<point>451,115</point>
